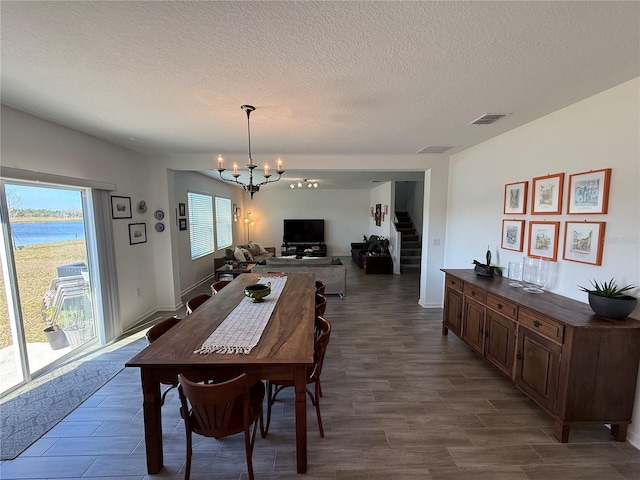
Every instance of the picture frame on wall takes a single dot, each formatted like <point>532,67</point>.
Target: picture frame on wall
<point>137,233</point>
<point>583,242</point>
<point>589,192</point>
<point>546,194</point>
<point>182,223</point>
<point>513,235</point>
<point>543,240</point>
<point>515,198</point>
<point>120,207</point>
<point>182,210</point>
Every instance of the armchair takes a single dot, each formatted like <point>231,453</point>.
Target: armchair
<point>360,248</point>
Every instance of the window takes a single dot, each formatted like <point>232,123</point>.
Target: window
<point>200,224</point>
<point>224,232</point>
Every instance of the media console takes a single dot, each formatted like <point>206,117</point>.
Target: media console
<point>578,367</point>
<point>319,249</point>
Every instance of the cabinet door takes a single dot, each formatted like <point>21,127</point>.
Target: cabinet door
<point>500,342</point>
<point>453,311</point>
<point>538,367</point>
<point>473,324</point>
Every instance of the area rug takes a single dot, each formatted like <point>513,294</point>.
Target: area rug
<point>26,416</point>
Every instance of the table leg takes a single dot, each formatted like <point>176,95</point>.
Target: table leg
<point>619,431</point>
<point>301,418</point>
<point>152,422</point>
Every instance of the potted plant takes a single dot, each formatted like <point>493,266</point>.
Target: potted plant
<point>76,325</point>
<point>53,333</point>
<point>609,301</point>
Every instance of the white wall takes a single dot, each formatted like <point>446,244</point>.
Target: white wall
<point>599,132</point>
<point>30,143</point>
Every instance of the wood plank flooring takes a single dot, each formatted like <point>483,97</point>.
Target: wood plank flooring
<point>401,401</point>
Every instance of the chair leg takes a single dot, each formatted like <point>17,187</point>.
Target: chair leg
<point>316,403</point>
<point>164,395</point>
<point>187,467</point>
<point>270,399</point>
<point>249,440</point>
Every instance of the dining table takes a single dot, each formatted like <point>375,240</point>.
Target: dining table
<point>284,352</point>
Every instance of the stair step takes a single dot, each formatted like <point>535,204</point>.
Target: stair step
<point>410,239</point>
<point>410,252</point>
<point>410,260</point>
<point>410,268</point>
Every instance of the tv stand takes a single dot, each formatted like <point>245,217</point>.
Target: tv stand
<point>297,249</point>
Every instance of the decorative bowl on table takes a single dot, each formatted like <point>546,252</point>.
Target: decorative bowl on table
<point>257,291</point>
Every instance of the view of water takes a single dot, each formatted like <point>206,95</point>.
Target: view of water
<point>46,232</point>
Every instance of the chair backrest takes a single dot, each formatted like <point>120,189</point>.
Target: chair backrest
<point>214,406</point>
<point>322,335</point>
<point>321,305</point>
<point>219,285</point>
<point>161,328</point>
<point>196,301</point>
<point>320,287</point>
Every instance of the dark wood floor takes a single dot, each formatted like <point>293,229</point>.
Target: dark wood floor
<point>401,401</point>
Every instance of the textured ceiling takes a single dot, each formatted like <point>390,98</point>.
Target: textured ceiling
<point>327,78</point>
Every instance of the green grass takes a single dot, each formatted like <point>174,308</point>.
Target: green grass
<point>36,267</point>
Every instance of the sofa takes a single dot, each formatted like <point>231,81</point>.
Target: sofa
<point>251,252</point>
<point>327,269</point>
<point>358,249</point>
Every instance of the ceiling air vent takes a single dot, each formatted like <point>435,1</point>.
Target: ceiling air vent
<point>488,118</point>
<point>434,149</point>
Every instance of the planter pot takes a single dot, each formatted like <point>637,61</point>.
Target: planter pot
<point>613,308</point>
<point>56,338</point>
<point>79,336</point>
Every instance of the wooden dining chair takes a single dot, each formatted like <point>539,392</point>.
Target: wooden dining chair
<point>196,301</point>
<point>320,287</point>
<point>221,409</point>
<point>219,285</point>
<point>155,332</point>
<point>323,332</point>
<point>321,304</point>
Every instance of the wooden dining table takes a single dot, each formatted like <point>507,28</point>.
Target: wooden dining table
<point>284,351</point>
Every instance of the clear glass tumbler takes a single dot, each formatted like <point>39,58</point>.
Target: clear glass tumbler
<point>514,273</point>
<point>534,274</point>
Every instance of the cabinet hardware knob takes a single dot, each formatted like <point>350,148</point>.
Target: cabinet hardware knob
<point>519,356</point>
<point>536,323</point>
<point>499,306</point>
<point>473,294</point>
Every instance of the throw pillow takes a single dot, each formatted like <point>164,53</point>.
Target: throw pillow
<point>251,248</point>
<point>260,248</point>
<point>238,255</point>
<point>247,254</point>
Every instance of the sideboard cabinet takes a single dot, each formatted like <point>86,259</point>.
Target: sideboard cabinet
<point>578,367</point>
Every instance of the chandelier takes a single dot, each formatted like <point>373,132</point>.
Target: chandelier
<point>303,183</point>
<point>250,187</point>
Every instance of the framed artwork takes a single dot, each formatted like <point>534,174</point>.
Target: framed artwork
<point>583,242</point>
<point>120,207</point>
<point>137,233</point>
<point>589,192</point>
<point>543,240</point>
<point>378,214</point>
<point>182,223</point>
<point>513,235</point>
<point>546,196</point>
<point>515,198</point>
<point>182,211</point>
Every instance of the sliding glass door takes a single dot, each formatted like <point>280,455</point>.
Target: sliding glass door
<point>47,309</point>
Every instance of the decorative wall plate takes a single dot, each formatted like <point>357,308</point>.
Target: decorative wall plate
<point>142,206</point>
<point>159,227</point>
<point>159,214</point>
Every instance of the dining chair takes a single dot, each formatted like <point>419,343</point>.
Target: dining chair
<point>219,285</point>
<point>155,332</point>
<point>196,301</point>
<point>321,304</point>
<point>221,409</point>
<point>274,387</point>
<point>320,286</point>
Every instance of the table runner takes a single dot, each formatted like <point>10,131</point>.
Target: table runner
<point>242,329</point>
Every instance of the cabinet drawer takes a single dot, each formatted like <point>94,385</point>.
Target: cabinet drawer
<point>453,282</point>
<point>502,306</point>
<point>476,293</point>
<point>543,325</point>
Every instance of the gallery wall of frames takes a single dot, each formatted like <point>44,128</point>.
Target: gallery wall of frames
<point>539,234</point>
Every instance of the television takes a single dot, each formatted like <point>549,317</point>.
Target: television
<point>303,231</point>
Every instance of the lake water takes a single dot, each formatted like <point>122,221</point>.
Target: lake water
<point>46,232</point>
